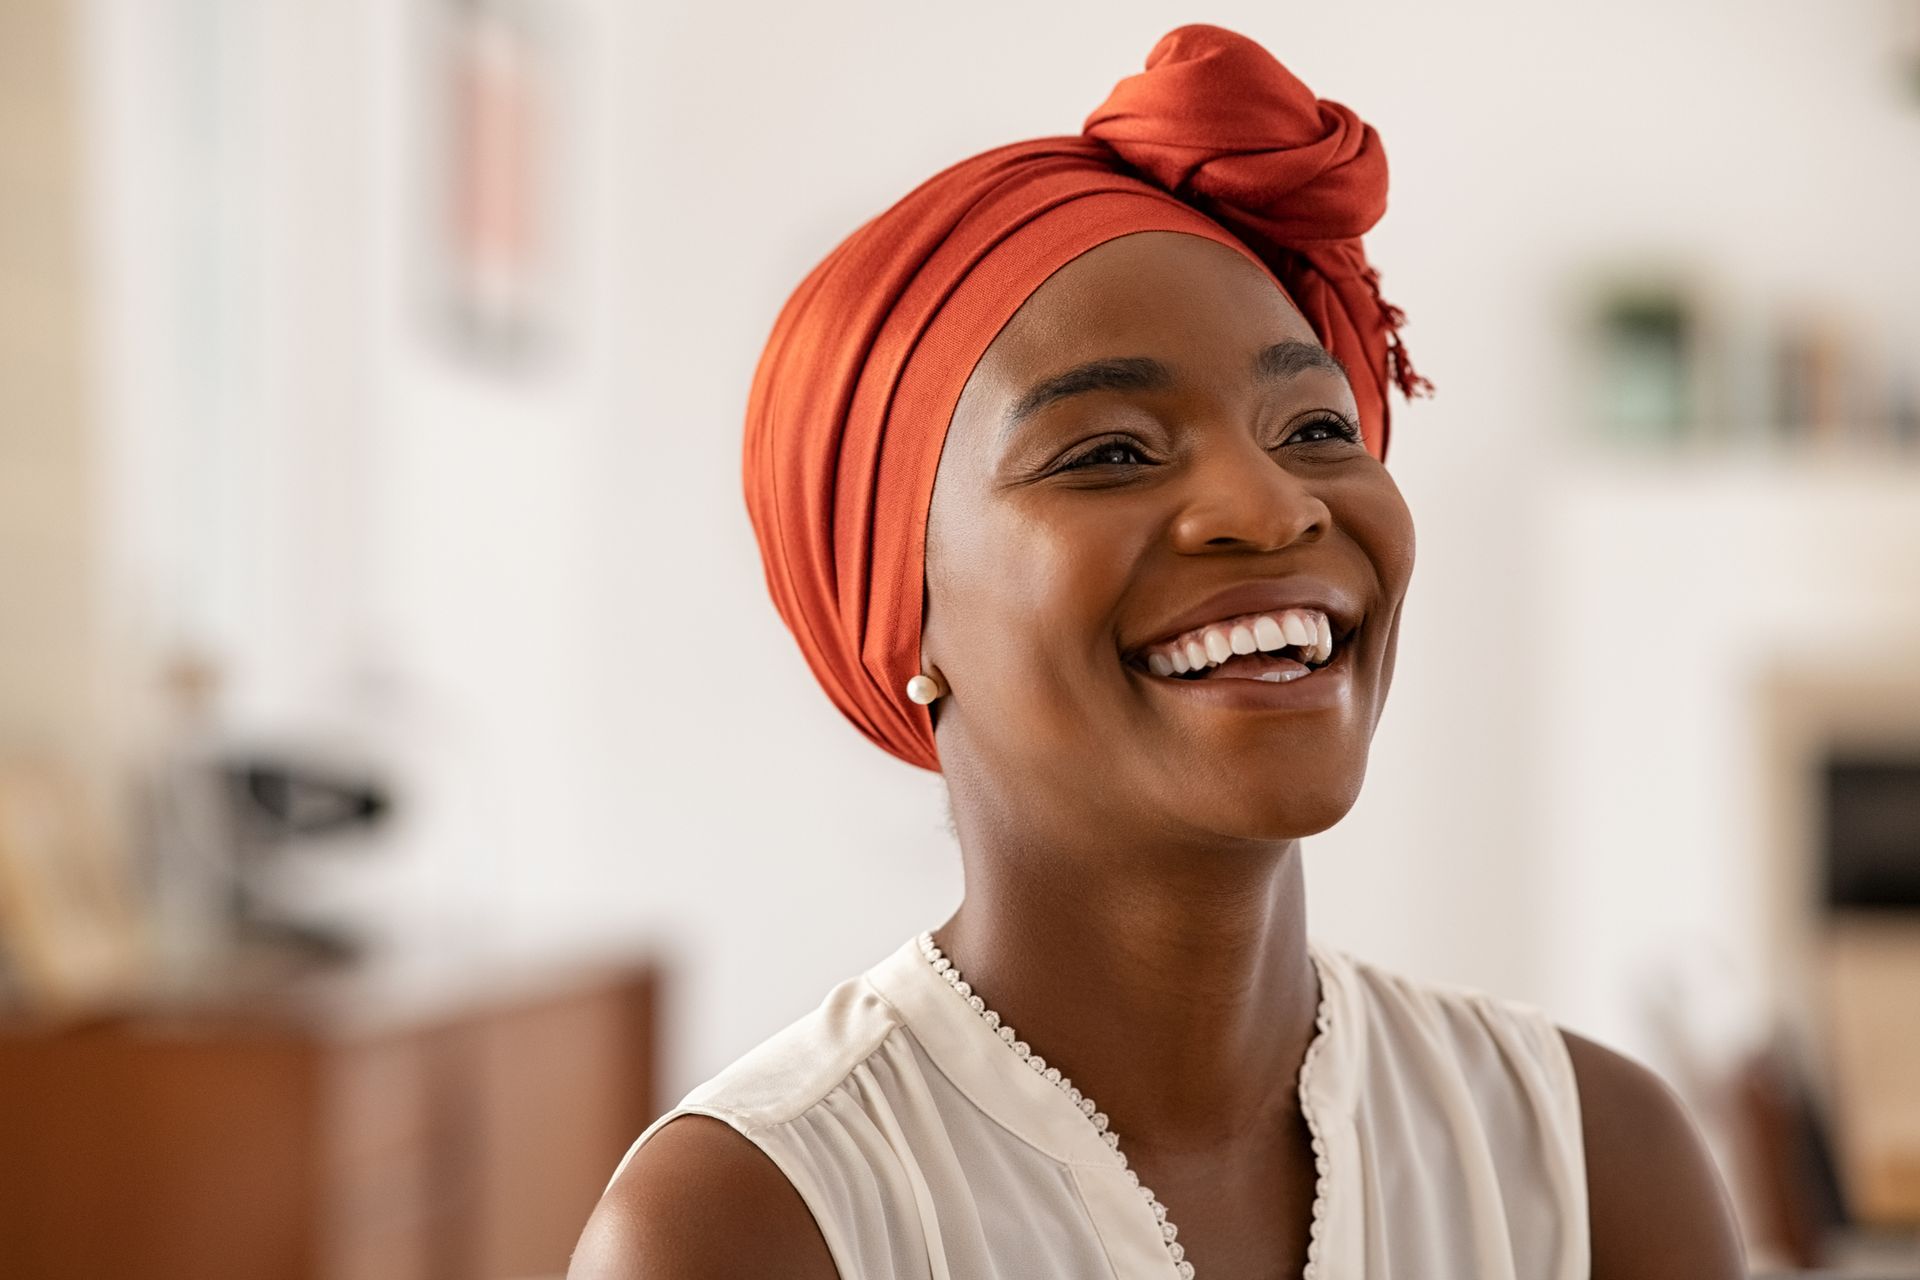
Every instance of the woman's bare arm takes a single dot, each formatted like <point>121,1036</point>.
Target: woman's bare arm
<point>1657,1206</point>
<point>699,1201</point>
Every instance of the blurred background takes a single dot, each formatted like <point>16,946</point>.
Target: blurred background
<point>407,788</point>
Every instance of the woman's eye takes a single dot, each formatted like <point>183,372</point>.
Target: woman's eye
<point>1103,453</point>
<point>1339,428</point>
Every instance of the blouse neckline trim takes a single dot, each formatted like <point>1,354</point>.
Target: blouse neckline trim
<point>1023,1100</point>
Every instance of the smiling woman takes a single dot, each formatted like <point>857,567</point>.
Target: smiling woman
<point>1068,473</point>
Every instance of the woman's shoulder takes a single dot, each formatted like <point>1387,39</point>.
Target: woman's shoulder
<point>726,1182</point>
<point>1491,1035</point>
<point>701,1200</point>
<point>796,1068</point>
<point>1657,1205</point>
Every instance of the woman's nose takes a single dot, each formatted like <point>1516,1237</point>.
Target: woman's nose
<point>1235,495</point>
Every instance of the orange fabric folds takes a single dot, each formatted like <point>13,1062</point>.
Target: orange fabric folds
<point>851,401</point>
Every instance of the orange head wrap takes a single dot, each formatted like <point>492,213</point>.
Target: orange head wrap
<point>854,393</point>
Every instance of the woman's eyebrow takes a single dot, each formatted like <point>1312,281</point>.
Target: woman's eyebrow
<point>1114,373</point>
<point>1280,361</point>
<point>1284,359</point>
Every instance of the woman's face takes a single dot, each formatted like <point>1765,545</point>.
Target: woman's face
<point>1063,539</point>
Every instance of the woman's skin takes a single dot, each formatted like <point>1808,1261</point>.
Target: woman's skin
<point>1134,898</point>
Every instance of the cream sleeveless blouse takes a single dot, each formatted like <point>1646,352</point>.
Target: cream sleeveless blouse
<point>1446,1128</point>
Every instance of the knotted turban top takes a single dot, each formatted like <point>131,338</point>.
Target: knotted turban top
<point>851,400</point>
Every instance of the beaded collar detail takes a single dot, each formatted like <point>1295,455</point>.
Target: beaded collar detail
<point>1176,1251</point>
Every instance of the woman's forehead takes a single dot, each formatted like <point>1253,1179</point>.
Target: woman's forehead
<point>1184,301</point>
<point>1149,293</point>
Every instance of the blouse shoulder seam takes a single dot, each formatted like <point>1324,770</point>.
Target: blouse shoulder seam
<point>812,1099</point>
<point>710,1095</point>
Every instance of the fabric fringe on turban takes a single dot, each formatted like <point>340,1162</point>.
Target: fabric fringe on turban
<point>851,401</point>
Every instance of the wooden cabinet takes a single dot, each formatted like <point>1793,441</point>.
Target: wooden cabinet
<point>354,1130</point>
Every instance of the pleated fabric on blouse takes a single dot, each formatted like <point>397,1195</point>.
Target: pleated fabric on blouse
<point>1446,1126</point>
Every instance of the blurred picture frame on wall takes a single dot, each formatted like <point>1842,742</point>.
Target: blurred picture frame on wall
<point>70,931</point>
<point>490,207</point>
<point>1906,44</point>
<point>1647,340</point>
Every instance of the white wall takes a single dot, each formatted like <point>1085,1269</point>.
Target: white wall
<point>1679,594</point>
<point>611,733</point>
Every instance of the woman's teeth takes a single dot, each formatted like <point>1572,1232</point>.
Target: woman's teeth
<point>1207,647</point>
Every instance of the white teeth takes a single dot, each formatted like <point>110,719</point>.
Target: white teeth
<point>1309,630</point>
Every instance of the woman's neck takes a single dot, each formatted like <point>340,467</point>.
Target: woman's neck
<point>1177,991</point>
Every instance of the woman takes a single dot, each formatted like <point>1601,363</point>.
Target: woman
<point>1068,475</point>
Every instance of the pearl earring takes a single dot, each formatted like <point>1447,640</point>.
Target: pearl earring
<point>923,689</point>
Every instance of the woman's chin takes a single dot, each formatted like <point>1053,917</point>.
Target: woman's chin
<point>1307,803</point>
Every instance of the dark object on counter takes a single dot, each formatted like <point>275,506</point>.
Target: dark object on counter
<point>279,806</point>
